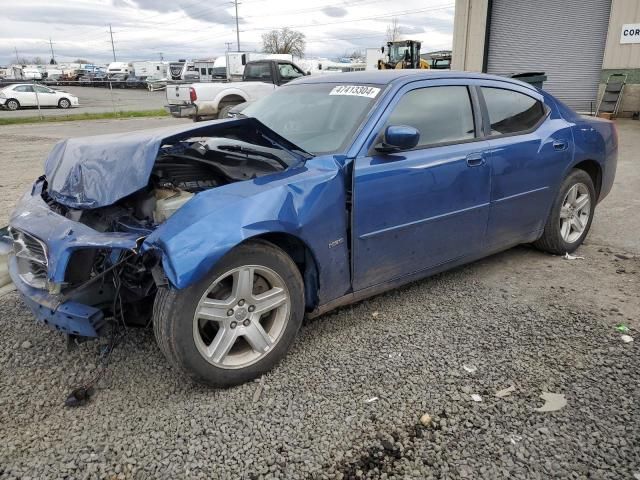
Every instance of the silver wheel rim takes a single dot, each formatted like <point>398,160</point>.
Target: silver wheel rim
<point>575,213</point>
<point>241,316</point>
<point>13,105</point>
<point>64,103</point>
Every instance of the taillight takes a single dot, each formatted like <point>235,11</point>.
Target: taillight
<point>192,94</point>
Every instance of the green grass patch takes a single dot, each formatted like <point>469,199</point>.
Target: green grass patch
<point>83,116</point>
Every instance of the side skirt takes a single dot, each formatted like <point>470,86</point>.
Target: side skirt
<point>368,292</point>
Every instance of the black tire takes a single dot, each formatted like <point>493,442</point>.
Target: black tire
<point>64,103</point>
<point>12,104</point>
<point>225,110</point>
<point>173,317</point>
<point>551,240</point>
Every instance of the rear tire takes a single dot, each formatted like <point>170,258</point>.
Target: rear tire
<point>571,215</point>
<point>12,104</point>
<point>225,111</point>
<point>208,330</point>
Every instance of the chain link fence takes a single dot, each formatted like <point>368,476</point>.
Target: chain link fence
<point>56,97</point>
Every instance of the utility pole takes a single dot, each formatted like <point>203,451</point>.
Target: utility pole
<point>113,49</point>
<point>237,27</point>
<point>53,57</point>
<point>17,59</point>
<point>228,44</point>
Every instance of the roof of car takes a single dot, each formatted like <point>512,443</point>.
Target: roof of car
<point>385,77</point>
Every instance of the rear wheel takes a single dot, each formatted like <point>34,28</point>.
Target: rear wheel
<point>12,104</point>
<point>64,103</point>
<point>571,215</point>
<point>225,111</point>
<point>238,321</point>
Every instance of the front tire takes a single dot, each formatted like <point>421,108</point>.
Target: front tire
<point>64,103</point>
<point>12,104</point>
<point>237,322</point>
<point>571,215</point>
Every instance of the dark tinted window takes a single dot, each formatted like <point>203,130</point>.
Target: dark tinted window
<point>441,114</point>
<point>511,112</point>
<point>24,88</point>
<point>258,71</point>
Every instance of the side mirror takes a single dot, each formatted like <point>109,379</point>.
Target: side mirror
<point>399,137</point>
<point>381,49</point>
<point>244,59</point>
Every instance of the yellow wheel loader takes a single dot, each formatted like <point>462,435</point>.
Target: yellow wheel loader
<point>402,54</point>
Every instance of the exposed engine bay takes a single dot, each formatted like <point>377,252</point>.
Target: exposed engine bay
<point>123,283</point>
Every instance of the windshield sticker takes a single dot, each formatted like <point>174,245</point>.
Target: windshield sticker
<point>355,90</point>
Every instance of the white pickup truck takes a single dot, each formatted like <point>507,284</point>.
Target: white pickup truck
<point>200,100</point>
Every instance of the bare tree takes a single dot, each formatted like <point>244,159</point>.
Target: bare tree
<point>37,61</point>
<point>354,53</point>
<point>81,60</point>
<point>393,30</point>
<point>284,41</point>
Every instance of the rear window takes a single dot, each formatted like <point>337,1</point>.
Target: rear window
<point>511,112</point>
<point>258,71</point>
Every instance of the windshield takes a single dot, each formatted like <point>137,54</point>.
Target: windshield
<point>319,118</point>
<point>397,52</point>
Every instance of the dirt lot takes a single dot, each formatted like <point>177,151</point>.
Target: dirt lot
<point>346,402</point>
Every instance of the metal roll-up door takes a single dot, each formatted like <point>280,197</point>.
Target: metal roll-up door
<point>565,39</point>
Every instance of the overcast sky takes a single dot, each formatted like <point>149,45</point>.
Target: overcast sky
<point>143,29</point>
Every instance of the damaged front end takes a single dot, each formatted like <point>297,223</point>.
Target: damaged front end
<point>78,255</point>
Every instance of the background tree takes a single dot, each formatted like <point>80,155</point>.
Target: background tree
<point>393,31</point>
<point>354,53</point>
<point>81,60</point>
<point>284,41</point>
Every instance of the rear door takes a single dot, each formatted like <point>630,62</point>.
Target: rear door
<point>415,210</point>
<point>530,145</point>
<point>25,95</point>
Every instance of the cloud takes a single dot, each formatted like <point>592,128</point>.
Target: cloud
<point>198,11</point>
<point>335,12</point>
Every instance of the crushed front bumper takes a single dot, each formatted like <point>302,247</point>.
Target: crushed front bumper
<point>68,316</point>
<point>74,314</point>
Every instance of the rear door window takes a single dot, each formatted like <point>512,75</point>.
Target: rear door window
<point>440,114</point>
<point>24,88</point>
<point>258,71</point>
<point>511,112</point>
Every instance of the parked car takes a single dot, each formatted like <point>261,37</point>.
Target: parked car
<point>135,82</point>
<point>117,80</point>
<point>225,234</point>
<point>22,95</point>
<point>214,100</point>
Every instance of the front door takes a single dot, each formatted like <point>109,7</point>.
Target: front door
<point>415,210</point>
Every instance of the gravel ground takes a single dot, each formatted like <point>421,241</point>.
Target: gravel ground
<point>348,399</point>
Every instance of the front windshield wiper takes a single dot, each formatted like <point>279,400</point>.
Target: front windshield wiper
<point>253,151</point>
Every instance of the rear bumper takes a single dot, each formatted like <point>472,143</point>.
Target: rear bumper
<point>68,317</point>
<point>181,111</point>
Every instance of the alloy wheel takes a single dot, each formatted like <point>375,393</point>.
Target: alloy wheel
<point>575,212</point>
<point>241,316</point>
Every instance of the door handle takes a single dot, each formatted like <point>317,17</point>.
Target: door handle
<point>560,145</point>
<point>475,159</point>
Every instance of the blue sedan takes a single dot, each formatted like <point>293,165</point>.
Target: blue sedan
<point>225,234</point>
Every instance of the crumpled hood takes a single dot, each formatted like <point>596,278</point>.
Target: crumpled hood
<point>92,172</point>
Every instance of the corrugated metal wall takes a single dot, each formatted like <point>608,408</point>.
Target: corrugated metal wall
<point>565,39</point>
<point>617,55</point>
